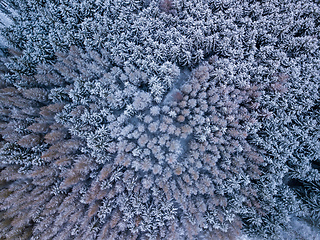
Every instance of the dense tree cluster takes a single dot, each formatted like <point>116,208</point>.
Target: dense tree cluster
<point>159,119</point>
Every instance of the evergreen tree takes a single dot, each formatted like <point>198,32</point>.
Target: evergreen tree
<point>159,119</point>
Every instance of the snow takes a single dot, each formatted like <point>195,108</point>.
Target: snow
<point>4,21</point>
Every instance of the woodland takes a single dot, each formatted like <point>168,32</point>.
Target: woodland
<point>159,119</point>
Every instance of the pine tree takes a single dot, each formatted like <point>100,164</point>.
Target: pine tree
<point>159,119</point>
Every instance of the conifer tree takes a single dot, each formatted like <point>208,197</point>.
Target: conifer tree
<point>159,119</point>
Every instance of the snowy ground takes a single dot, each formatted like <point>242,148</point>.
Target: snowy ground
<point>299,230</point>
<point>4,21</point>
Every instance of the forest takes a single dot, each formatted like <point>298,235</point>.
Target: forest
<point>159,119</point>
